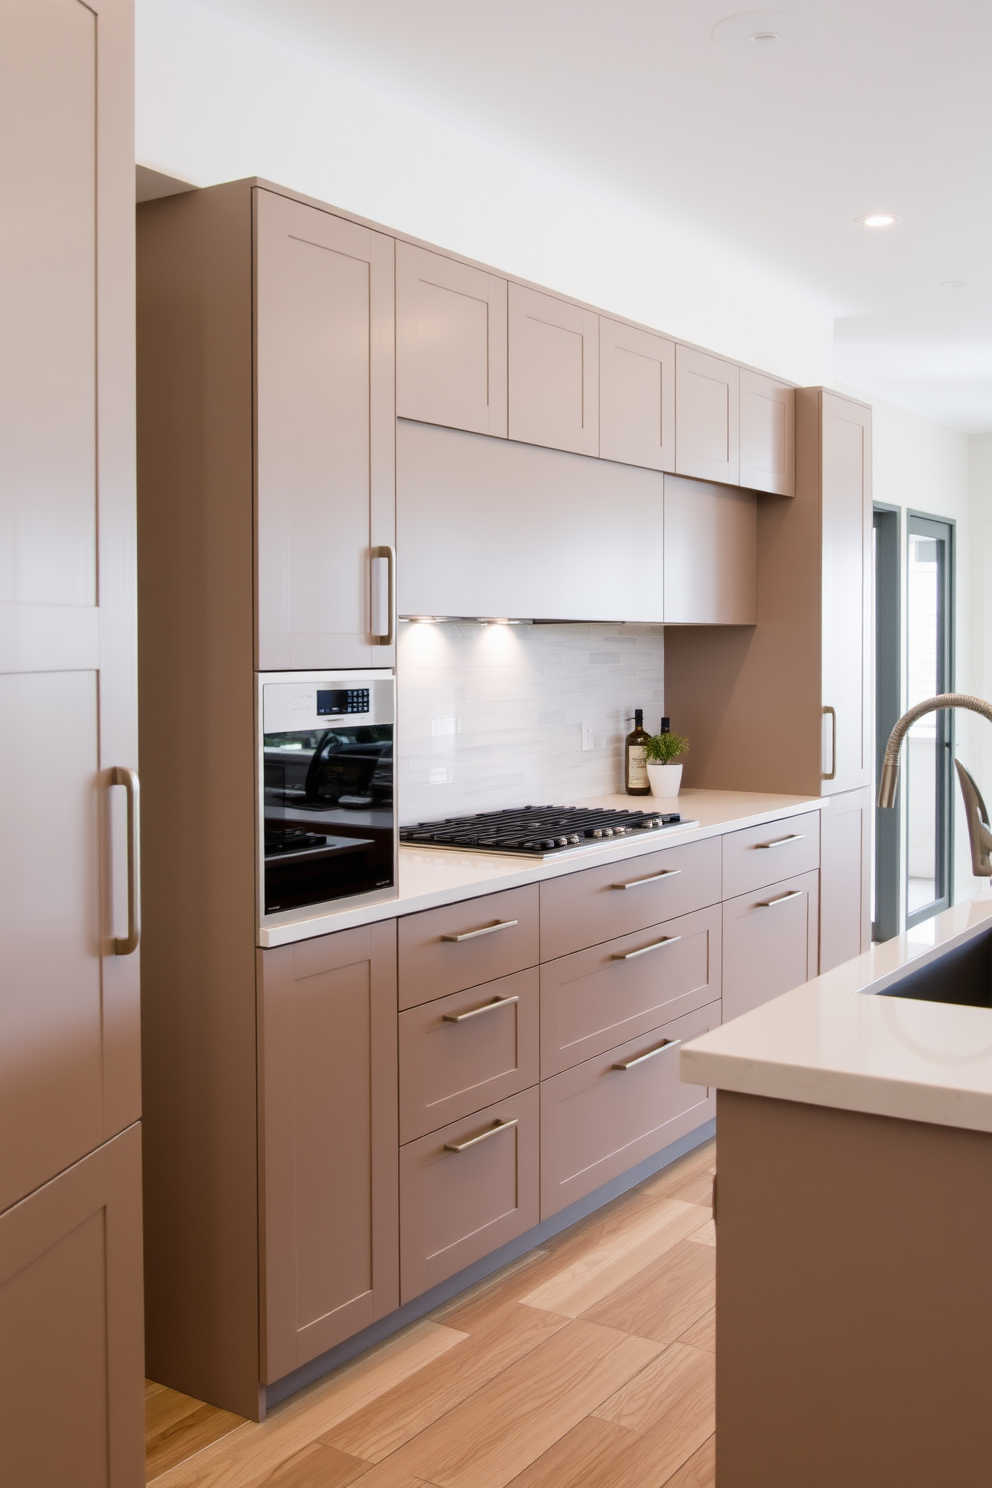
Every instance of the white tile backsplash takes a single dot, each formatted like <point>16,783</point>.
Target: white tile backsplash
<point>491,715</point>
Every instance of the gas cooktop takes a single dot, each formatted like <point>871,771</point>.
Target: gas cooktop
<point>537,831</point>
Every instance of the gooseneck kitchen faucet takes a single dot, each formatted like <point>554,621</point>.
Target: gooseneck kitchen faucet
<point>975,810</point>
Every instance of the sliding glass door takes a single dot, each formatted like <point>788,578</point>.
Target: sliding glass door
<point>928,750</point>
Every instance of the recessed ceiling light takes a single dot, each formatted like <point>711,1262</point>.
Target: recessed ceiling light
<point>878,219</point>
<point>765,29</point>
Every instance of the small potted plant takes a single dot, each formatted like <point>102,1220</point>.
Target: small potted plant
<point>660,750</point>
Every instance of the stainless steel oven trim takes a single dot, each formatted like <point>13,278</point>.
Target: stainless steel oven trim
<point>306,914</point>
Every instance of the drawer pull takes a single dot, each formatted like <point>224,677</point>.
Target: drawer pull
<point>781,841</point>
<point>486,930</point>
<point>771,903</point>
<point>655,946</point>
<point>627,1064</point>
<point>482,1137</point>
<point>636,883</point>
<point>487,1007</point>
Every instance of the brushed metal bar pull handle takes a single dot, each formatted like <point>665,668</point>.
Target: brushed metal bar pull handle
<point>487,1007</point>
<point>771,903</point>
<point>636,883</point>
<point>485,930</point>
<point>781,841</point>
<point>482,1137</point>
<point>383,634</point>
<point>627,1064</point>
<point>666,940</point>
<point>833,742</point>
<point>124,945</point>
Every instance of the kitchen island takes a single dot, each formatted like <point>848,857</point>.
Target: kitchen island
<point>854,1298</point>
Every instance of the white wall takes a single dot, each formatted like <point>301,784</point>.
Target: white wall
<point>217,101</point>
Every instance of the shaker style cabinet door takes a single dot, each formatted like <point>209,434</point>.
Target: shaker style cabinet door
<point>707,416</point>
<point>553,372</point>
<point>769,942</point>
<point>450,342</point>
<point>324,350</point>
<point>845,877</point>
<point>636,396</point>
<point>711,554</point>
<point>768,434</point>
<point>327,1030</point>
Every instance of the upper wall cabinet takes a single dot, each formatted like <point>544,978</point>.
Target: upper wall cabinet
<point>768,434</point>
<point>325,433</point>
<point>707,416</point>
<point>553,372</point>
<point>450,342</point>
<point>636,396</point>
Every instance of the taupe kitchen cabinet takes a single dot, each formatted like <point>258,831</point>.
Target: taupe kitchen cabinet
<point>327,1116</point>
<point>767,434</point>
<point>770,939</point>
<point>325,476</point>
<point>845,877</point>
<point>450,342</point>
<point>711,541</point>
<point>636,396</point>
<point>71,1406</point>
<point>707,416</point>
<point>553,372</point>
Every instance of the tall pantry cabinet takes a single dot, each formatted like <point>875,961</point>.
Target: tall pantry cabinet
<point>71,1391</point>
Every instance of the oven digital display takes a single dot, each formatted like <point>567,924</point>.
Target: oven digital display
<point>340,700</point>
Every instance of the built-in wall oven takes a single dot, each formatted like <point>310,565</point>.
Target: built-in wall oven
<point>327,819</point>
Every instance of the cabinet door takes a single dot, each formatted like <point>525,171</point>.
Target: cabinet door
<point>327,1028</point>
<point>769,943</point>
<point>768,434</point>
<point>553,372</point>
<point>71,1356</point>
<point>636,396</point>
<point>707,416</point>
<point>450,342</point>
<point>711,554</point>
<point>845,452</point>
<point>845,878</point>
<point>325,443</point>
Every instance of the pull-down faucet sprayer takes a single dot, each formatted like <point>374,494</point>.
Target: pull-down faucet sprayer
<point>975,810</point>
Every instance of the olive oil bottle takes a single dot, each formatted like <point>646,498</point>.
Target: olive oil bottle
<point>635,769</point>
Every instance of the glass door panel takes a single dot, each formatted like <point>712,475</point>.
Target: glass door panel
<point>928,744</point>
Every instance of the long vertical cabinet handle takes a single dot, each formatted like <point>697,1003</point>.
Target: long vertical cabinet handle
<point>383,604</point>
<point>833,742</point>
<point>124,945</point>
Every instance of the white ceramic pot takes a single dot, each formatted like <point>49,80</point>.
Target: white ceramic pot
<point>665,779</point>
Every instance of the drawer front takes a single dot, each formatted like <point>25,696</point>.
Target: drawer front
<point>765,855</point>
<point>597,1121</point>
<point>584,909</point>
<point>456,1207</point>
<point>466,1051</point>
<point>601,997</point>
<point>462,945</point>
<point>769,943</point>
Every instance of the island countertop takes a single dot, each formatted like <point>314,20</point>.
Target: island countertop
<point>836,1042</point>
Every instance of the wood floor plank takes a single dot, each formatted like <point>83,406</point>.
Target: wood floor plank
<point>668,1182</point>
<point>699,1471</point>
<point>177,1427</point>
<point>678,1383</point>
<point>615,1260</point>
<point>508,1334</point>
<point>583,1458</point>
<point>706,1234</point>
<point>315,1466</point>
<point>702,1334</point>
<point>263,1447</point>
<point>489,1439</point>
<point>664,1299</point>
<point>698,1190</point>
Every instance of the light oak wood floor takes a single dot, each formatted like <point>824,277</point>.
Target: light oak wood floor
<point>587,1364</point>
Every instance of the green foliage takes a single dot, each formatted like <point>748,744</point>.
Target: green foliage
<point>663,749</point>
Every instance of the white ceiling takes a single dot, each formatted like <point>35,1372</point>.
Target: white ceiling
<point>772,148</point>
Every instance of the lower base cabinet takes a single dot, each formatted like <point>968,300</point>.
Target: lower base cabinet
<point>770,942</point>
<point>603,1116</point>
<point>71,1328</point>
<point>467,1189</point>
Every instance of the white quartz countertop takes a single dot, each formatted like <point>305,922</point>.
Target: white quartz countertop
<point>835,1042</point>
<point>431,876</point>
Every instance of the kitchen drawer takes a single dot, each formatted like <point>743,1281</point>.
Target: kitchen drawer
<point>597,1121</point>
<point>456,1207</point>
<point>461,945</point>
<point>449,1068</point>
<point>583,909</point>
<point>769,942</point>
<point>597,998</point>
<point>765,855</point>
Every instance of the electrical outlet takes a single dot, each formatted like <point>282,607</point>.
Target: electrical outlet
<point>587,739</point>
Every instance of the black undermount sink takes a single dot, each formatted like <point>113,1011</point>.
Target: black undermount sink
<point>961,975</point>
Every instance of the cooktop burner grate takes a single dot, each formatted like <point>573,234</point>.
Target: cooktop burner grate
<point>537,830</point>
